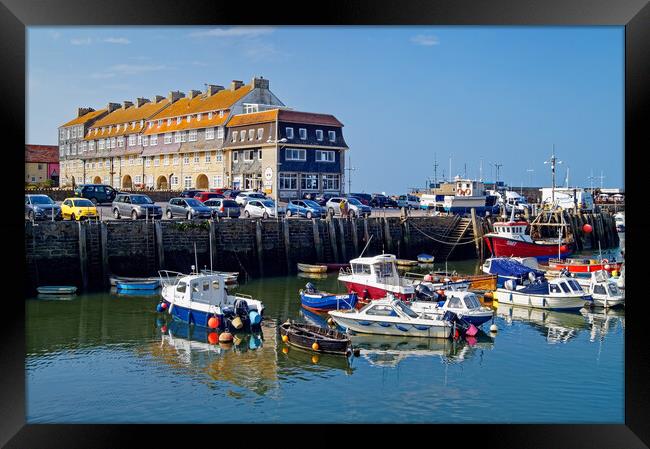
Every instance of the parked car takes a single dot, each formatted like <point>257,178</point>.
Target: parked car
<point>382,201</point>
<point>222,207</point>
<point>355,207</point>
<point>305,208</point>
<point>204,196</point>
<point>40,207</point>
<point>245,197</point>
<point>96,193</point>
<point>187,207</point>
<point>78,209</point>
<point>323,198</point>
<point>363,197</point>
<point>408,201</point>
<point>189,193</point>
<point>309,196</point>
<point>230,194</point>
<point>262,208</point>
<point>135,205</point>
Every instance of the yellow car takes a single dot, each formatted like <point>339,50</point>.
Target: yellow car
<point>78,209</point>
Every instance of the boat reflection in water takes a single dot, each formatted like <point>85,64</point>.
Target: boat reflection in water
<point>602,321</point>
<point>390,351</point>
<point>249,362</point>
<point>312,275</point>
<point>557,327</point>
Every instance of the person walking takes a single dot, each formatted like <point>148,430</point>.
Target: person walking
<point>344,208</point>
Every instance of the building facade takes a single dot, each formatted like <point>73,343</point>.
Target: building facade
<point>42,164</point>
<point>186,141</point>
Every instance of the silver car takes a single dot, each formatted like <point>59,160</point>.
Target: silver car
<point>135,206</point>
<point>262,208</point>
<point>41,207</point>
<point>222,207</point>
<point>355,207</point>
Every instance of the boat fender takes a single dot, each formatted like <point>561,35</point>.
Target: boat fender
<point>213,322</point>
<point>159,308</point>
<point>237,323</point>
<point>213,338</point>
<point>164,305</point>
<point>285,338</point>
<point>315,346</point>
<point>510,284</point>
<point>493,328</point>
<point>605,260</point>
<point>225,337</point>
<point>254,317</point>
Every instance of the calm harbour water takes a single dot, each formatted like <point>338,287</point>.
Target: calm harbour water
<point>102,358</point>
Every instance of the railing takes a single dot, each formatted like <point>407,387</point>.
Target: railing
<point>168,277</point>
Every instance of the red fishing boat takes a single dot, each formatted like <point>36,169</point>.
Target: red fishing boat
<point>512,239</point>
<point>577,265</point>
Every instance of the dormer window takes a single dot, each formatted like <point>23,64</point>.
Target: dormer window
<point>178,120</point>
<point>332,135</point>
<point>189,117</point>
<point>198,117</point>
<point>303,133</point>
<point>150,125</point>
<point>220,114</point>
<point>159,123</point>
<point>319,135</point>
<point>210,115</point>
<point>132,125</point>
<point>169,122</point>
<point>110,128</point>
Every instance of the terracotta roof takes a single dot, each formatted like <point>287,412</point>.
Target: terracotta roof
<point>183,125</point>
<point>131,114</point>
<point>42,153</point>
<point>84,118</point>
<point>221,100</point>
<point>284,115</point>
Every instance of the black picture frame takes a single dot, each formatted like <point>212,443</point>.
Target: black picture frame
<point>16,15</point>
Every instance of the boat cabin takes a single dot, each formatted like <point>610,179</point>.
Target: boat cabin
<point>382,268</point>
<point>468,187</point>
<point>200,288</point>
<point>516,230</point>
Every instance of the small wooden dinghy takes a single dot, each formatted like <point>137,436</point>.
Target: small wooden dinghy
<point>425,258</point>
<point>317,301</point>
<point>115,279</point>
<point>307,268</point>
<point>138,285</point>
<point>315,338</point>
<point>406,263</point>
<point>57,289</point>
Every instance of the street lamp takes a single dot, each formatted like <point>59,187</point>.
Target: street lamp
<point>277,171</point>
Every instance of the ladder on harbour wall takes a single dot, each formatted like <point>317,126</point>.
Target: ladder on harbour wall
<point>458,232</point>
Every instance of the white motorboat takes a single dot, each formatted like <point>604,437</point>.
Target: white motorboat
<point>603,289</point>
<point>375,277</point>
<point>390,316</point>
<point>464,304</point>
<point>555,294</point>
<point>197,297</point>
<point>619,219</point>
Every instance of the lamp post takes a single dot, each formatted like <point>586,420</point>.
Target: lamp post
<point>276,186</point>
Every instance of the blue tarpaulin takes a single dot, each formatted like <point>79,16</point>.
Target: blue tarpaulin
<point>509,267</point>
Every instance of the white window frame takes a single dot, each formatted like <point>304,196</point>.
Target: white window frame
<point>288,181</point>
<point>218,156</point>
<point>249,155</point>
<point>187,182</point>
<point>302,132</point>
<point>193,135</point>
<point>168,138</point>
<point>220,132</point>
<point>295,154</point>
<point>289,132</point>
<point>320,153</point>
<point>186,159</point>
<point>328,179</point>
<point>208,156</point>
<point>331,135</point>
<point>177,137</point>
<point>260,133</point>
<point>156,161</point>
<point>235,157</point>
<point>319,135</point>
<point>166,159</point>
<point>251,134</point>
<point>197,157</point>
<point>234,136</point>
<point>153,140</point>
<point>209,133</point>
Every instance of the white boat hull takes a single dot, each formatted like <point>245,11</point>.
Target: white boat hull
<point>513,297</point>
<point>435,329</point>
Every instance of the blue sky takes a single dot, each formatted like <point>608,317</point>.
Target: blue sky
<point>503,95</point>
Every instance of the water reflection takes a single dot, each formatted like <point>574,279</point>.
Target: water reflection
<point>603,321</point>
<point>248,362</point>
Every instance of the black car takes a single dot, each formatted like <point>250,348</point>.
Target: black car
<point>323,198</point>
<point>381,201</point>
<point>97,193</point>
<point>189,193</point>
<point>41,207</point>
<point>363,197</point>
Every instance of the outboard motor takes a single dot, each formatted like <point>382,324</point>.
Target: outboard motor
<point>424,293</point>
<point>310,288</point>
<point>531,276</point>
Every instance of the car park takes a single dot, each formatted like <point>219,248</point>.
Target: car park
<point>262,208</point>
<point>382,201</point>
<point>188,208</point>
<point>41,207</point>
<point>96,193</point>
<point>323,198</point>
<point>408,201</point>
<point>222,207</point>
<point>78,209</point>
<point>230,194</point>
<point>305,208</point>
<point>245,197</point>
<point>135,205</point>
<point>363,197</point>
<point>189,193</point>
<point>204,196</point>
<point>355,207</point>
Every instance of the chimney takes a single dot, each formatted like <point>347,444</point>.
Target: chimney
<point>140,101</point>
<point>235,84</point>
<point>175,95</point>
<point>84,111</point>
<point>260,83</point>
<point>213,89</point>
<point>112,106</point>
<point>194,93</point>
<point>127,104</point>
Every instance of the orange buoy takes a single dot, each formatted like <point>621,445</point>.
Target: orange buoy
<point>285,350</point>
<point>213,322</point>
<point>315,358</point>
<point>315,346</point>
<point>213,338</point>
<point>285,338</point>
<point>586,228</point>
<point>225,337</point>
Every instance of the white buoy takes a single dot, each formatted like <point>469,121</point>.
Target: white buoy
<point>494,328</point>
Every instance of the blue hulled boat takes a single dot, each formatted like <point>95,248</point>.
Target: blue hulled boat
<point>507,268</point>
<point>152,284</point>
<point>317,301</point>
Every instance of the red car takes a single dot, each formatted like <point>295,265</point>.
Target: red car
<point>204,196</point>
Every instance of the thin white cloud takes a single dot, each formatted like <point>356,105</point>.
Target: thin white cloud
<point>81,41</point>
<point>426,40</point>
<point>234,32</point>
<point>136,69</point>
<point>264,51</point>
<point>102,75</point>
<point>117,40</point>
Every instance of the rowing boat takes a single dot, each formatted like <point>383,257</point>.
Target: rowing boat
<point>307,268</point>
<point>57,289</point>
<point>315,338</point>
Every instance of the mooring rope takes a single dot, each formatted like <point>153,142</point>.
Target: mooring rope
<point>443,242</point>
